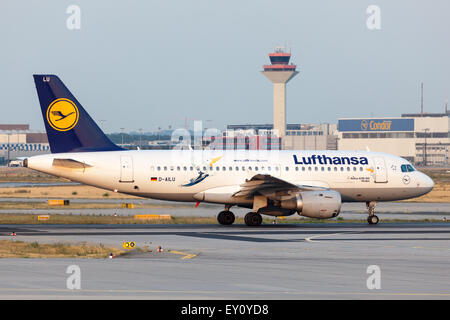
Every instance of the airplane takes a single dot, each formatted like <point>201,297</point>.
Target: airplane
<point>268,182</point>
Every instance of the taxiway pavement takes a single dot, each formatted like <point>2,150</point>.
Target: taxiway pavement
<point>306,261</point>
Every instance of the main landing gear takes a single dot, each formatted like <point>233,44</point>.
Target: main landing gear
<point>372,219</point>
<point>226,217</point>
<point>253,219</point>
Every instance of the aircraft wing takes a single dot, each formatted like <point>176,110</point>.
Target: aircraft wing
<point>271,187</point>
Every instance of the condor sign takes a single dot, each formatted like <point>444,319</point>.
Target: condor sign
<point>397,124</point>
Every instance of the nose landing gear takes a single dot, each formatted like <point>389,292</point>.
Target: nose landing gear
<point>372,219</point>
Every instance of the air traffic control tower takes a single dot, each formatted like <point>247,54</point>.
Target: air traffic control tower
<point>279,72</point>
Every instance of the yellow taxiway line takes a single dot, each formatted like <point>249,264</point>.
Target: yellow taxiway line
<point>186,255</point>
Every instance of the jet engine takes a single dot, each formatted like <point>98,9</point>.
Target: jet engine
<point>314,204</point>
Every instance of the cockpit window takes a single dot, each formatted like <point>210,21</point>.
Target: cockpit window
<point>407,168</point>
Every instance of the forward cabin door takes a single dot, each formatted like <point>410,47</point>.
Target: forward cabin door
<point>380,170</point>
<point>126,169</point>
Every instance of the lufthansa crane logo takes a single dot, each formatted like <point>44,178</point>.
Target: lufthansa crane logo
<point>364,125</point>
<point>62,114</point>
<point>406,179</point>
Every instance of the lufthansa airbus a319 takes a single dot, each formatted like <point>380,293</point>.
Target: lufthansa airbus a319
<point>275,183</point>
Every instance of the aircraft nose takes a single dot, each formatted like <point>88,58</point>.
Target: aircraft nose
<point>427,183</point>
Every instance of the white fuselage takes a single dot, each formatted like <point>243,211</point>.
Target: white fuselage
<point>214,176</point>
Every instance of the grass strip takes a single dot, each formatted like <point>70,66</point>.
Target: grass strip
<point>21,249</point>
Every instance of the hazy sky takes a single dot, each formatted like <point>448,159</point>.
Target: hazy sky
<point>144,64</point>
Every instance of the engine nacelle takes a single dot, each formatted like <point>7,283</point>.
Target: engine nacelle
<point>315,204</point>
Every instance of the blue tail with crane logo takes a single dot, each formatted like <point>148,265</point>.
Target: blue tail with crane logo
<point>69,127</point>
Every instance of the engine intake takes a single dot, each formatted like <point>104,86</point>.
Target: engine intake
<point>315,204</point>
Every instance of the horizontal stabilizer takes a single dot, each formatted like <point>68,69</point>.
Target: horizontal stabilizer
<point>70,164</point>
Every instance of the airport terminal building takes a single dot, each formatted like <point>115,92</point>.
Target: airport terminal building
<point>423,139</point>
<point>17,140</point>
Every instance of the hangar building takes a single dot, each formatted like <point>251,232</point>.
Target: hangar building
<point>423,138</point>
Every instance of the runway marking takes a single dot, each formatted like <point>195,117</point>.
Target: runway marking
<point>77,292</point>
<point>309,239</point>
<point>186,255</point>
<point>232,237</point>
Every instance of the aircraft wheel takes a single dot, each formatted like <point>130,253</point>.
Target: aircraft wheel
<point>226,218</point>
<point>373,219</point>
<point>253,219</point>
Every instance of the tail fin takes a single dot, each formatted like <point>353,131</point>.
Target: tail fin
<point>69,127</point>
